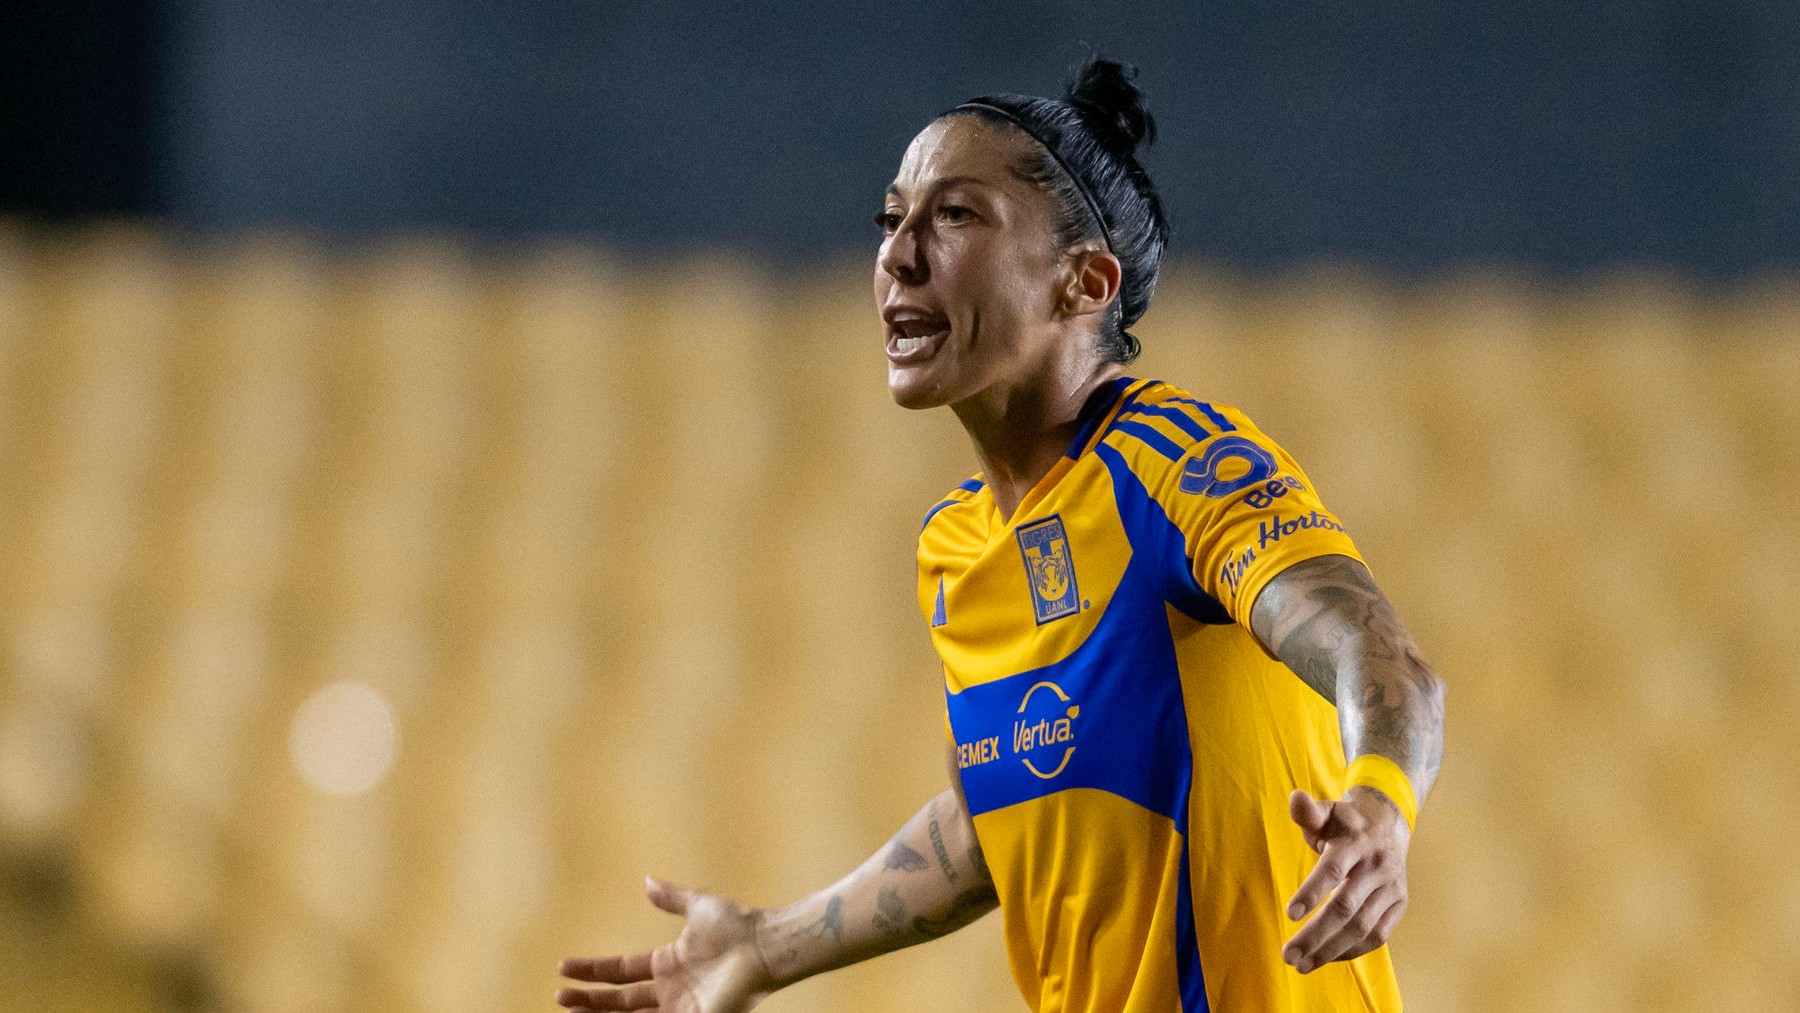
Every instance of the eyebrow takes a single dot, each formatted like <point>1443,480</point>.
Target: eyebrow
<point>946,182</point>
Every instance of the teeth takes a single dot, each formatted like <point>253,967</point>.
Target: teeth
<point>905,344</point>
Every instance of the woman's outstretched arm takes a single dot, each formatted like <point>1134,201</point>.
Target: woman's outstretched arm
<point>1328,621</point>
<point>929,880</point>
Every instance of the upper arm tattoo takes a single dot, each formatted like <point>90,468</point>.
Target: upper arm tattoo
<point>937,844</point>
<point>1326,619</point>
<point>1311,610</point>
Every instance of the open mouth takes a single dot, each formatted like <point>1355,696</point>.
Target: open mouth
<point>915,338</point>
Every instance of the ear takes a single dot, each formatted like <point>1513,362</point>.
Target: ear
<point>1092,282</point>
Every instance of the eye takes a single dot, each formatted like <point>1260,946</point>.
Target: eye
<point>955,213</point>
<point>887,221</point>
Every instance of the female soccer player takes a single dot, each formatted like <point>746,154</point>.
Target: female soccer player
<point>1181,717</point>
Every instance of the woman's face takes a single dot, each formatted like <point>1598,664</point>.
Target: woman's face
<point>968,276</point>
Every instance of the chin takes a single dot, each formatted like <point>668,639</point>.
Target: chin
<point>914,392</point>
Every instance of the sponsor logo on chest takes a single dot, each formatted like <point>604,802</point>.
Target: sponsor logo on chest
<point>1043,734</point>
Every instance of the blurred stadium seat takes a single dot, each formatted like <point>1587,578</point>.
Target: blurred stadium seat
<point>626,553</point>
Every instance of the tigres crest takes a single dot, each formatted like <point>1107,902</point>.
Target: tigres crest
<point>1051,569</point>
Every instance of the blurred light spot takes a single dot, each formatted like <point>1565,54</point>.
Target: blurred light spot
<point>342,739</point>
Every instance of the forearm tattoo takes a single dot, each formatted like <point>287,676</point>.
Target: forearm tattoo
<point>1326,619</point>
<point>831,924</point>
<point>904,858</point>
<point>890,912</point>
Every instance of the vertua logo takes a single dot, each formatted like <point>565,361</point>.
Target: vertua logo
<point>1050,738</point>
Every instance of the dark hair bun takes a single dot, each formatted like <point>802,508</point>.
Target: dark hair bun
<point>1112,106</point>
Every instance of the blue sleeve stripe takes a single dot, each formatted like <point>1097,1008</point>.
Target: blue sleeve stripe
<point>1157,441</point>
<point>933,512</point>
<point>1210,412</point>
<point>1219,420</point>
<point>966,485</point>
<point>1182,419</point>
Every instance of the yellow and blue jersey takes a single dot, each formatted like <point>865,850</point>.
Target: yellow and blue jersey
<point>1126,745</point>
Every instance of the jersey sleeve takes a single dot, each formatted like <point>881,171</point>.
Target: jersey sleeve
<point>1247,512</point>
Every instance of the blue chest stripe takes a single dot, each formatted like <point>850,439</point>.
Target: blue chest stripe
<point>1109,716</point>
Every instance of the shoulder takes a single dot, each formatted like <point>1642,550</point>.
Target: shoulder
<point>1161,429</point>
<point>958,504</point>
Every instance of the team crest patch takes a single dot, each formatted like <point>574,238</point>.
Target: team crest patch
<point>1050,569</point>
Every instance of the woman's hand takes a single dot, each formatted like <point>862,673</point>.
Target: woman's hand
<point>713,966</point>
<point>728,958</point>
<point>1361,840</point>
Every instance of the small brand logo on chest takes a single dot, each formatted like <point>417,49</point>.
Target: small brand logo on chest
<point>1049,569</point>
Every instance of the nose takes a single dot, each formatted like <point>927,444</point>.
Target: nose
<point>902,255</point>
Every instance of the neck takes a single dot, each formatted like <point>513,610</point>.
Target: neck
<point>1019,433</point>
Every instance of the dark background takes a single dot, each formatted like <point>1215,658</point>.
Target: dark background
<point>1561,137</point>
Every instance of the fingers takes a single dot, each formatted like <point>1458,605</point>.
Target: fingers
<point>1384,930</point>
<point>1374,938</point>
<point>612,970</point>
<point>604,1000</point>
<point>632,971</point>
<point>1310,814</point>
<point>667,896</point>
<point>1335,863</point>
<point>1345,922</point>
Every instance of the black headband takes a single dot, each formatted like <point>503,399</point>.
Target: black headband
<point>1086,195</point>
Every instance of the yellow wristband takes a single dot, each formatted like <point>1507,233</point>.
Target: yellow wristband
<point>1372,770</point>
